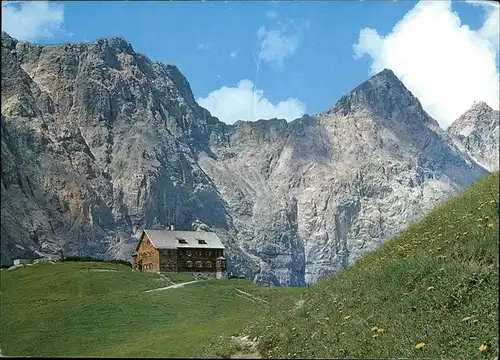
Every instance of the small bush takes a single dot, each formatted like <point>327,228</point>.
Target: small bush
<point>90,258</point>
<point>81,258</point>
<point>123,262</point>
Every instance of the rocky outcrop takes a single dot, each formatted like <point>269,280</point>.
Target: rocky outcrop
<point>308,197</point>
<point>99,142</point>
<point>476,132</point>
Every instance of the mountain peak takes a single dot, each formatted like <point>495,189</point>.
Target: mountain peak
<point>386,79</point>
<point>476,132</point>
<point>382,94</point>
<point>386,74</point>
<point>480,105</point>
<point>480,114</point>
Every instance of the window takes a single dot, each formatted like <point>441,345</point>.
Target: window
<point>202,242</point>
<point>189,264</point>
<point>181,241</point>
<point>199,264</point>
<point>208,264</point>
<point>209,253</point>
<point>189,253</point>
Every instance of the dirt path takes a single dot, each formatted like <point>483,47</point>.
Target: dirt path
<point>174,286</point>
<point>247,295</point>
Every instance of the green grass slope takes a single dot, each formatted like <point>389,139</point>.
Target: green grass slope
<point>77,309</point>
<point>434,284</point>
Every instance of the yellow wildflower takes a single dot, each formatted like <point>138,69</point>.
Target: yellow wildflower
<point>492,201</point>
<point>419,346</point>
<point>430,288</point>
<point>381,331</point>
<point>491,225</point>
<point>374,328</point>
<point>347,317</point>
<point>467,318</point>
<point>483,348</point>
<point>374,335</point>
<point>480,219</point>
<point>406,294</point>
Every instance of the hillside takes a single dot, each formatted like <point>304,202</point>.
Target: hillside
<point>99,142</point>
<point>101,310</point>
<point>436,283</point>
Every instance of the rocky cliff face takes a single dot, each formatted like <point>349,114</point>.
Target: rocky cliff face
<point>476,133</point>
<point>310,196</point>
<point>98,142</point>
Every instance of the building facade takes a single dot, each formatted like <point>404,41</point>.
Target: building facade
<point>179,251</point>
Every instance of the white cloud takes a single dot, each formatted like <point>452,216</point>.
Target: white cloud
<point>233,54</point>
<point>32,20</point>
<point>277,45</point>
<point>243,102</point>
<point>445,64</point>
<point>491,26</point>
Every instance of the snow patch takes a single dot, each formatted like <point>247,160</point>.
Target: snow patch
<point>466,130</point>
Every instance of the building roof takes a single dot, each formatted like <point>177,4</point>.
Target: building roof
<point>172,239</point>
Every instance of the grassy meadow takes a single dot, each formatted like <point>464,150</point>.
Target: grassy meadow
<point>430,292</point>
<point>70,309</point>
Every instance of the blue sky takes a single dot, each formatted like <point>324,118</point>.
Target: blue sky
<point>246,60</point>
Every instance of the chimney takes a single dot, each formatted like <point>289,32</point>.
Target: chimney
<point>172,228</point>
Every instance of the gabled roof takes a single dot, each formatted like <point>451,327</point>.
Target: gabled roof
<point>168,239</point>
